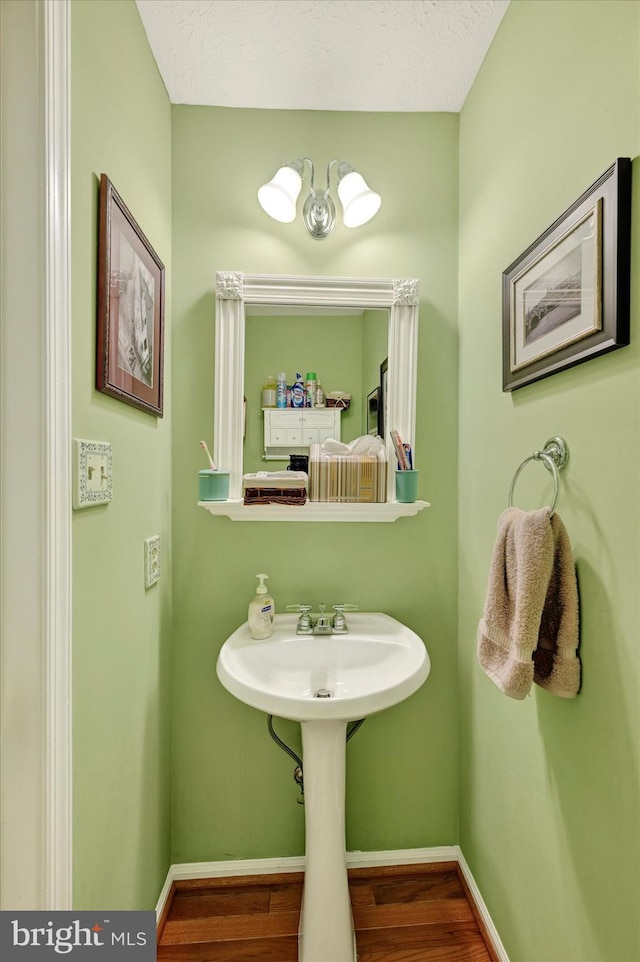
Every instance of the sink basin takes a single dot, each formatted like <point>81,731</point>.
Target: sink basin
<point>378,663</point>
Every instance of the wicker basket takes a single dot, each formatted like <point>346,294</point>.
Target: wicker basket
<point>338,402</point>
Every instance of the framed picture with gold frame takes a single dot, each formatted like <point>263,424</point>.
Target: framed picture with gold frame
<point>566,298</point>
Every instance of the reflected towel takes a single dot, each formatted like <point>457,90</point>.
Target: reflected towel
<point>529,631</point>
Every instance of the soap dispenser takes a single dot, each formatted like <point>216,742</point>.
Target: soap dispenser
<point>261,611</point>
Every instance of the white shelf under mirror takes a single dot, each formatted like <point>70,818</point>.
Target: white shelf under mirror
<point>235,293</point>
<point>313,511</point>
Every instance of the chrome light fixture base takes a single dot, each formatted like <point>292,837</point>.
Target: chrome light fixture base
<point>319,214</point>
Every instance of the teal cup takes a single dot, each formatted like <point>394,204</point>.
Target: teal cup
<point>407,486</point>
<point>213,485</point>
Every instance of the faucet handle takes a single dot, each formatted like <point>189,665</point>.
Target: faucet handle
<point>304,621</point>
<point>339,622</point>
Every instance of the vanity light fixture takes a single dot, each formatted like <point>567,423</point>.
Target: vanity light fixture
<point>280,195</point>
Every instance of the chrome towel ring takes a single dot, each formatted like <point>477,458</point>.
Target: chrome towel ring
<point>554,456</point>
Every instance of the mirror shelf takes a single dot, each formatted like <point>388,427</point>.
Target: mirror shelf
<point>238,293</point>
<point>313,511</point>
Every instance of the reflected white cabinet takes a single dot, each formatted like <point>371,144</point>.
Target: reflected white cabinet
<point>293,430</point>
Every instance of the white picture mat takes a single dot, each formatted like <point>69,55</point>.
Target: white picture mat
<point>584,240</point>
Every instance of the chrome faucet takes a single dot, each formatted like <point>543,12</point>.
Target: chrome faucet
<point>324,624</point>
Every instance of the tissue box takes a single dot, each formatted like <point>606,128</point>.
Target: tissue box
<point>347,478</point>
<point>275,487</point>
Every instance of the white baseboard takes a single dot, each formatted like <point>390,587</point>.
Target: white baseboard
<point>491,930</point>
<point>269,866</point>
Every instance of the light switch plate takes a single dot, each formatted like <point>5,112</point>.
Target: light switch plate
<point>92,473</point>
<point>151,561</point>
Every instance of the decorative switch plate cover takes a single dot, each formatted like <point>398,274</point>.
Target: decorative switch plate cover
<point>92,473</point>
<point>151,561</point>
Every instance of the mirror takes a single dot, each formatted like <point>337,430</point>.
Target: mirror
<point>344,348</point>
<point>315,301</point>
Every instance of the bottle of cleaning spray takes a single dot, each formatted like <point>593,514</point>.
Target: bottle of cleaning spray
<point>261,611</point>
<point>298,393</point>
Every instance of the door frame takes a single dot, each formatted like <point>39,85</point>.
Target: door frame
<point>35,458</point>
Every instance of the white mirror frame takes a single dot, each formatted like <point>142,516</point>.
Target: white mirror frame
<point>234,292</point>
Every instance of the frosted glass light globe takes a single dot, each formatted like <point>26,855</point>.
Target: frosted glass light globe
<point>278,197</point>
<point>359,202</point>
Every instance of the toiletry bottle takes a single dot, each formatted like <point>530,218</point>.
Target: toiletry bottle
<point>269,393</point>
<point>319,396</point>
<point>281,391</point>
<point>261,611</point>
<point>297,393</point>
<point>312,384</point>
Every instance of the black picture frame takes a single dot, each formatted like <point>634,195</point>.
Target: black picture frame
<point>384,396</point>
<point>130,341</point>
<point>565,300</point>
<point>373,411</point>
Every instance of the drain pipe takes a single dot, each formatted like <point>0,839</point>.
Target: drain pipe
<point>298,772</point>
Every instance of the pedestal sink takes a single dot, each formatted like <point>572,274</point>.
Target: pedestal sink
<point>324,682</point>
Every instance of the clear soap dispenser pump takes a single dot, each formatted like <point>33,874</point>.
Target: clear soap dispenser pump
<point>261,611</point>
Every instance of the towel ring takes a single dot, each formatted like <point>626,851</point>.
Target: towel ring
<point>554,456</point>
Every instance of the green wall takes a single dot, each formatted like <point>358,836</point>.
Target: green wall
<point>549,788</point>
<point>121,125</point>
<point>233,792</point>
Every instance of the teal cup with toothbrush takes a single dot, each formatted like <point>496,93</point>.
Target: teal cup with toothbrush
<point>407,486</point>
<point>213,485</point>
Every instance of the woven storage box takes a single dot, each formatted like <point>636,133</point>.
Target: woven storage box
<point>347,478</point>
<point>275,487</point>
<point>342,403</point>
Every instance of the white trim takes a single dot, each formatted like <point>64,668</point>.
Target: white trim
<point>403,856</point>
<point>491,930</point>
<point>35,552</point>
<point>57,467</point>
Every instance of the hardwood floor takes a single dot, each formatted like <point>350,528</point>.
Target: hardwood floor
<point>405,913</point>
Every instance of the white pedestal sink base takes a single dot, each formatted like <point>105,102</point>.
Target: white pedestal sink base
<point>326,922</point>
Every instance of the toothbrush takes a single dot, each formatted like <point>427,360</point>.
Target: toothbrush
<point>203,445</point>
<point>399,448</point>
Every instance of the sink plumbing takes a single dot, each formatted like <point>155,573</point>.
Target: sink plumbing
<point>298,772</point>
<point>322,624</point>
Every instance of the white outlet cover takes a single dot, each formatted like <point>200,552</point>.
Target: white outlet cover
<point>92,473</point>
<point>151,561</point>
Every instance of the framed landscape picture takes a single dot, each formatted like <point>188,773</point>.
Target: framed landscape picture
<point>130,308</point>
<point>566,298</point>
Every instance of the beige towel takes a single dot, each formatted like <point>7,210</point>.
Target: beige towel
<point>529,631</point>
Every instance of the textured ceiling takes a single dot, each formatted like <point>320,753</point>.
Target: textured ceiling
<point>399,55</point>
